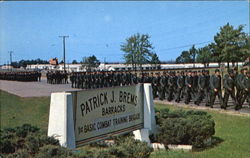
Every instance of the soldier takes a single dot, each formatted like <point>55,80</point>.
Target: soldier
<point>201,87</point>
<point>72,80</point>
<point>134,79</point>
<point>207,88</point>
<point>215,84</point>
<point>239,84</point>
<point>188,84</point>
<point>171,85</point>
<point>195,85</point>
<point>246,91</point>
<point>228,84</point>
<point>180,86</point>
<point>155,84</point>
<point>163,84</point>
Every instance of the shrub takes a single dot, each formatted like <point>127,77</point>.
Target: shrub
<point>129,147</point>
<point>185,127</point>
<point>19,154</point>
<point>49,151</point>
<point>29,141</point>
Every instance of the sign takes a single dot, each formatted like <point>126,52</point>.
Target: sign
<point>101,113</point>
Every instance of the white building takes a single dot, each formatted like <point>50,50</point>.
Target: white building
<point>119,67</point>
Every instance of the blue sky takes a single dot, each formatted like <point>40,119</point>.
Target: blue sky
<point>31,29</point>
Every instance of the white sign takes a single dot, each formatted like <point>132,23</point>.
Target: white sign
<point>101,113</point>
<point>80,117</point>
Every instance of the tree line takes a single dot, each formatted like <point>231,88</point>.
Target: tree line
<point>230,45</point>
<point>24,63</point>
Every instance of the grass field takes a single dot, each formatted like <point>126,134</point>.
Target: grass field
<point>16,111</point>
<point>233,131</point>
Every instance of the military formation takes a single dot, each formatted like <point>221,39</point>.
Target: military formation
<point>101,79</point>
<point>198,86</point>
<point>25,76</point>
<point>57,77</point>
<point>187,86</point>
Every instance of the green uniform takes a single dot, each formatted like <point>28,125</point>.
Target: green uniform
<point>215,83</point>
<point>228,85</point>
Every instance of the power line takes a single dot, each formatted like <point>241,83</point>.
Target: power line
<point>64,61</point>
<point>185,46</point>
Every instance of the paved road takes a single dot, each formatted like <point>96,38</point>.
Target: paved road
<point>33,89</point>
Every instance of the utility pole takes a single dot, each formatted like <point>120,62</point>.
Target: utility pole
<point>63,37</point>
<point>10,58</point>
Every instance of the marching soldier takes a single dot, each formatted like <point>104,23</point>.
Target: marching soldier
<point>188,84</point>
<point>134,79</point>
<point>239,77</point>
<point>180,86</point>
<point>163,84</point>
<point>155,84</point>
<point>171,86</point>
<point>194,85</point>
<point>207,88</point>
<point>215,84</point>
<point>228,85</point>
<point>246,91</point>
<point>201,87</point>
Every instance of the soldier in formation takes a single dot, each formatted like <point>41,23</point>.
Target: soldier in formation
<point>25,76</point>
<point>101,79</point>
<point>196,86</point>
<point>199,86</point>
<point>57,77</point>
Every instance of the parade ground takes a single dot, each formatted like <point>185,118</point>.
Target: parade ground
<point>33,89</point>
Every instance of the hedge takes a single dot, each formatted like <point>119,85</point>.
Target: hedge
<point>28,141</point>
<point>185,127</point>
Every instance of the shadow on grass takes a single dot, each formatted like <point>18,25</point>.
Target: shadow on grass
<point>215,141</point>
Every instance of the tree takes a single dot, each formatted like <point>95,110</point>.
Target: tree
<point>185,57</point>
<point>155,60</point>
<point>204,55</point>
<point>231,44</point>
<point>90,62</point>
<point>193,52</point>
<point>138,50</point>
<point>61,62</point>
<point>24,63</point>
<point>74,62</point>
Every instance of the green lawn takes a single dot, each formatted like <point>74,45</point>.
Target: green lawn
<point>16,111</point>
<point>233,130</point>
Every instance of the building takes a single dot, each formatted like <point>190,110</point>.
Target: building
<point>119,67</point>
